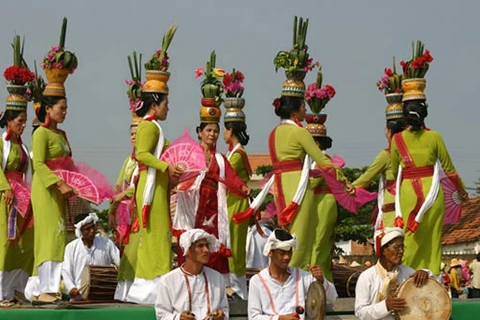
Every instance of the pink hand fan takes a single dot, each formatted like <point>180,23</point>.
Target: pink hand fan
<point>186,153</point>
<point>270,211</point>
<point>85,188</point>
<point>22,196</point>
<point>351,203</point>
<point>453,203</point>
<point>100,181</point>
<point>338,161</point>
<point>124,220</point>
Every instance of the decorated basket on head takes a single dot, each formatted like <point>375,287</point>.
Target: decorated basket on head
<point>317,96</point>
<point>18,76</point>
<point>414,70</point>
<point>58,64</point>
<point>233,101</point>
<point>212,89</point>
<point>156,69</point>
<point>295,61</point>
<point>391,85</point>
<point>135,85</point>
<point>35,94</point>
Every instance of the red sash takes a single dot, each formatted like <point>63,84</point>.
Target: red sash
<point>246,163</point>
<point>413,173</point>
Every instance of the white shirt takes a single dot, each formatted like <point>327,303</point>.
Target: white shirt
<point>286,298</point>
<point>77,256</point>
<point>254,247</point>
<point>173,294</point>
<point>368,286</point>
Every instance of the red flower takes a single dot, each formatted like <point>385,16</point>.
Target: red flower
<point>389,72</point>
<point>404,65</point>
<point>159,52</point>
<point>330,91</point>
<point>239,76</point>
<point>276,103</point>
<point>18,75</point>
<point>227,79</point>
<point>427,57</point>
<point>418,63</point>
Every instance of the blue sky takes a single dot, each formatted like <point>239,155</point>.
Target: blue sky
<point>353,40</point>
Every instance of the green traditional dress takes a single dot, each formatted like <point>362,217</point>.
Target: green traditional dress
<point>423,248</point>
<point>327,214</point>
<point>288,145</point>
<point>128,260</point>
<point>238,232</point>
<point>381,166</point>
<point>16,256</point>
<point>154,249</point>
<point>48,203</point>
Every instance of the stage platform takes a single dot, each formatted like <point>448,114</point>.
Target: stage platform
<point>341,309</point>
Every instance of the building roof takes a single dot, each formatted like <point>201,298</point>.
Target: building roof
<point>467,228</point>
<point>259,160</point>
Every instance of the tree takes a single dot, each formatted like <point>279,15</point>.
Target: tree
<point>103,219</point>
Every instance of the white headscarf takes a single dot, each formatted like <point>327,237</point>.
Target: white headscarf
<point>92,217</point>
<point>274,243</point>
<point>191,236</point>
<point>384,236</point>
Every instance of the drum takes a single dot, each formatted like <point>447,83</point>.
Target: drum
<point>250,272</point>
<point>430,301</point>
<point>345,279</point>
<point>98,282</point>
<point>316,302</point>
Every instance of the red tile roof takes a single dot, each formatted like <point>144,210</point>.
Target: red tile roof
<point>467,229</point>
<point>258,160</point>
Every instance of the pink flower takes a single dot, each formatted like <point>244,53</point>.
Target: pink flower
<point>57,65</point>
<point>42,65</point>
<point>51,55</point>
<point>129,82</point>
<point>56,48</point>
<point>199,72</point>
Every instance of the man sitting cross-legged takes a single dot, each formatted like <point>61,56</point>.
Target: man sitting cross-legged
<point>277,291</point>
<point>87,249</point>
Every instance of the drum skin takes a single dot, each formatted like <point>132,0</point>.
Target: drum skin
<point>430,301</point>
<point>316,302</point>
<point>101,282</point>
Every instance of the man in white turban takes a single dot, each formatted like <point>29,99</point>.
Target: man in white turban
<point>376,286</point>
<point>278,290</point>
<point>87,249</point>
<point>193,291</point>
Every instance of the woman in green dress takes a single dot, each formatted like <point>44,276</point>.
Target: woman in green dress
<point>417,154</point>
<point>125,188</point>
<point>16,232</point>
<point>382,167</point>
<point>51,151</point>
<point>327,212</point>
<point>236,136</point>
<point>154,257</point>
<point>289,143</point>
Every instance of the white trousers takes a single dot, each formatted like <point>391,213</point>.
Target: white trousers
<point>11,281</point>
<point>143,291</point>
<point>47,281</point>
<point>123,287</point>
